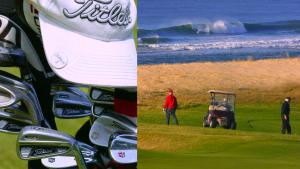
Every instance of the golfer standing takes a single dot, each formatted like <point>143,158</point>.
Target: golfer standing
<point>285,116</point>
<point>170,107</point>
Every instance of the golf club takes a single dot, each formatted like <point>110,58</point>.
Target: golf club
<point>7,97</point>
<point>98,109</point>
<point>38,142</point>
<point>11,57</point>
<point>16,47</point>
<point>102,95</point>
<point>123,148</point>
<point>88,152</point>
<point>23,94</point>
<point>107,124</point>
<point>71,103</point>
<point>13,119</point>
<point>15,82</point>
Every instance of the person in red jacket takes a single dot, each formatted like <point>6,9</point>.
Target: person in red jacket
<point>170,107</point>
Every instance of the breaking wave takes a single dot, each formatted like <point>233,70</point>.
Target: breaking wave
<point>216,27</point>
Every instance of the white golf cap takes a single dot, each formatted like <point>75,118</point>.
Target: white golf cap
<point>90,41</point>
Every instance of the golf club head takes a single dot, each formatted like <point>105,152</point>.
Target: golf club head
<point>71,103</point>
<point>7,97</point>
<point>19,104</point>
<point>107,124</point>
<point>102,95</point>
<point>23,98</point>
<point>88,152</point>
<point>13,119</point>
<point>123,148</point>
<point>23,91</point>
<point>38,142</point>
<point>98,109</point>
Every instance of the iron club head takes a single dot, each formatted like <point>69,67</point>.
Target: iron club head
<point>38,142</point>
<point>102,95</point>
<point>71,103</point>
<point>13,119</point>
<point>7,97</point>
<point>107,124</point>
<point>21,101</point>
<point>88,152</point>
<point>23,92</point>
<point>123,148</point>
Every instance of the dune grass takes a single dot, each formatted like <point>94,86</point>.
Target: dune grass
<point>264,81</point>
<point>257,143</point>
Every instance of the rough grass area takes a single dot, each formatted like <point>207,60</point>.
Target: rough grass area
<point>257,143</point>
<point>263,81</point>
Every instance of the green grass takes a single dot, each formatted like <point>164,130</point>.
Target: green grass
<point>258,145</point>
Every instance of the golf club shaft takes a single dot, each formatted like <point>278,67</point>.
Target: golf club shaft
<point>79,158</point>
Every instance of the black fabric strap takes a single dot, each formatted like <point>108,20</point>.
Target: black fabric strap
<point>6,30</point>
<point>126,95</point>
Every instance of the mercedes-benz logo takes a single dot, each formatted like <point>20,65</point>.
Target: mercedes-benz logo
<point>60,61</point>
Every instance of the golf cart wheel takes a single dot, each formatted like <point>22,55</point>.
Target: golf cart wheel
<point>205,124</point>
<point>233,125</point>
<point>213,123</point>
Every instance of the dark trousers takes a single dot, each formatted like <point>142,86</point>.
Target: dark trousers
<point>286,127</point>
<point>169,113</point>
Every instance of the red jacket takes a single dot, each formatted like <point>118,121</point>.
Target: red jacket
<point>171,102</point>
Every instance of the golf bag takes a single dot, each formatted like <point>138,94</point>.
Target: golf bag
<point>31,96</point>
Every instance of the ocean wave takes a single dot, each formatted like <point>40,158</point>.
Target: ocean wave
<point>153,39</point>
<point>290,43</point>
<point>221,27</point>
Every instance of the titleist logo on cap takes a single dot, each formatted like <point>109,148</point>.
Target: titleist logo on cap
<point>99,10</point>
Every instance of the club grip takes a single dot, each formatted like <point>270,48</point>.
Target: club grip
<point>6,60</point>
<point>12,59</point>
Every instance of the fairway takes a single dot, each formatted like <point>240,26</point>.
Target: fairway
<point>257,143</point>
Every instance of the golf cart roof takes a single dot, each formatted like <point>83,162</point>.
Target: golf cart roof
<point>221,92</point>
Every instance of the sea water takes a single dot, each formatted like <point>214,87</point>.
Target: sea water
<point>180,31</point>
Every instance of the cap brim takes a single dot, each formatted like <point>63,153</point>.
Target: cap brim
<point>81,59</point>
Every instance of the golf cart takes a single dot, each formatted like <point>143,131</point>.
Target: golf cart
<point>221,110</point>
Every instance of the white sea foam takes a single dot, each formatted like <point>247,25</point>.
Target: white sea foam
<point>291,43</point>
<point>221,26</point>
